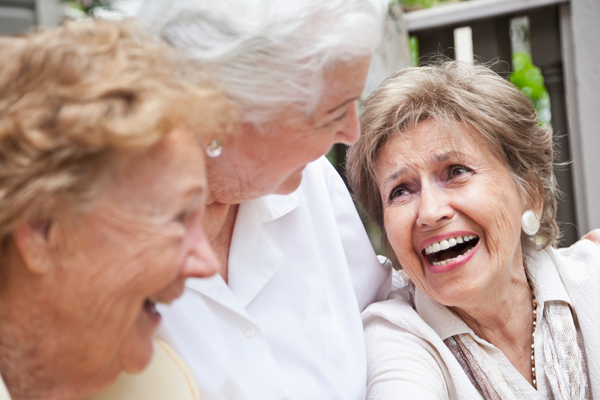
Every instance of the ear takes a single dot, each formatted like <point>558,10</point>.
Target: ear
<point>32,241</point>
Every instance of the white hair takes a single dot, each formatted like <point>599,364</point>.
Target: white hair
<point>268,55</point>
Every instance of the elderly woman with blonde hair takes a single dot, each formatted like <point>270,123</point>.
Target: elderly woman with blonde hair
<point>102,186</point>
<point>456,170</point>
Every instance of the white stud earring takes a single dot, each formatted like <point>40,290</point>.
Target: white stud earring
<point>214,148</point>
<point>530,223</point>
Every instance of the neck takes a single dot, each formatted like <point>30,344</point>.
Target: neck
<point>219,221</point>
<point>504,318</point>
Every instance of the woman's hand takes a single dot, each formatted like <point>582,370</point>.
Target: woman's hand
<point>594,236</point>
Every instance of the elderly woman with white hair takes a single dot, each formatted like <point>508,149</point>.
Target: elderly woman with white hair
<point>282,317</point>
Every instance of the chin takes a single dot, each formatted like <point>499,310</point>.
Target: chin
<point>137,349</point>
<point>136,357</point>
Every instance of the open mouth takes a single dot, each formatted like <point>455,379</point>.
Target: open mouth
<point>450,249</point>
<point>150,306</point>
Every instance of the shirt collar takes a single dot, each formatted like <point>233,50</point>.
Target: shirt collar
<point>547,283</point>
<point>275,206</point>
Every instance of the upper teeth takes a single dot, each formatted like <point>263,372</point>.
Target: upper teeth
<point>447,243</point>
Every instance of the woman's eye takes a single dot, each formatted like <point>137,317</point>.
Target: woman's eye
<point>457,170</point>
<point>398,192</point>
<point>341,117</point>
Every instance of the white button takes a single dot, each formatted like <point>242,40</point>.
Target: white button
<point>249,330</point>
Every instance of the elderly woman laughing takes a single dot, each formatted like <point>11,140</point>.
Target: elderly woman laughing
<point>455,168</point>
<point>102,185</point>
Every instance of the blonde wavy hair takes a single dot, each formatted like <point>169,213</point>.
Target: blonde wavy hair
<point>73,97</point>
<point>455,94</point>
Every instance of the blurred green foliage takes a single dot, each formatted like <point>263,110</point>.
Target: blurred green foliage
<point>423,3</point>
<point>88,6</point>
<point>529,79</point>
<point>413,45</point>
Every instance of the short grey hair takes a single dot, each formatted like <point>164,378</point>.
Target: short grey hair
<point>455,94</point>
<point>268,55</point>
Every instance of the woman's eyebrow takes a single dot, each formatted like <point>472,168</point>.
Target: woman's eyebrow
<point>447,155</point>
<point>395,175</point>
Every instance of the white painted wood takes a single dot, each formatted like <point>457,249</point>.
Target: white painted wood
<point>578,169</point>
<point>583,84</point>
<point>463,44</point>
<point>392,53</point>
<point>49,13</point>
<point>464,12</point>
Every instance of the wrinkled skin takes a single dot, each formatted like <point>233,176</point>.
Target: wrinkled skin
<point>270,159</point>
<point>78,291</point>
<point>452,183</point>
<point>435,182</point>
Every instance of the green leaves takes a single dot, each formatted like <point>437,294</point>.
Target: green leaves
<point>88,6</point>
<point>528,78</point>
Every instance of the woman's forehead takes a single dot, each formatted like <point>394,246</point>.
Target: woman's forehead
<point>429,143</point>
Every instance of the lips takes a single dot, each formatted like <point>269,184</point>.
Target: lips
<point>449,251</point>
<point>150,306</point>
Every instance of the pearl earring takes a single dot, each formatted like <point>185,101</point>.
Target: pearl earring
<point>214,148</point>
<point>530,223</point>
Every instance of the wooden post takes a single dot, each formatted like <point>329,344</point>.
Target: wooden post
<point>491,41</point>
<point>435,42</point>
<point>546,54</point>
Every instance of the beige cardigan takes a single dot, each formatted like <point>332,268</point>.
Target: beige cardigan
<point>166,378</point>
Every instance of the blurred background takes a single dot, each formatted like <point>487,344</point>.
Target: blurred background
<point>548,48</point>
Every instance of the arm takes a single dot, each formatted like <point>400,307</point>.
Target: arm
<point>371,280</point>
<point>400,364</point>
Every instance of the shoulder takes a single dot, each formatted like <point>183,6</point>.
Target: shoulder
<point>383,320</point>
<point>583,251</point>
<point>401,357</point>
<point>166,377</point>
<point>580,262</point>
<point>320,174</point>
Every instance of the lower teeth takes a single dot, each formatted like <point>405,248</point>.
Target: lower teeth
<point>440,263</point>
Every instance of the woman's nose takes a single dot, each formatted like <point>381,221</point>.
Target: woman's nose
<point>201,261</point>
<point>434,207</point>
<point>351,131</point>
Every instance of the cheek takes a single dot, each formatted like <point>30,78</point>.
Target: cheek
<point>136,350</point>
<point>123,276</point>
<point>398,227</point>
<point>154,265</point>
<point>497,209</point>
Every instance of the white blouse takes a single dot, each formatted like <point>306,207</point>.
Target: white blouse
<point>301,269</point>
<point>3,391</point>
<point>407,358</point>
